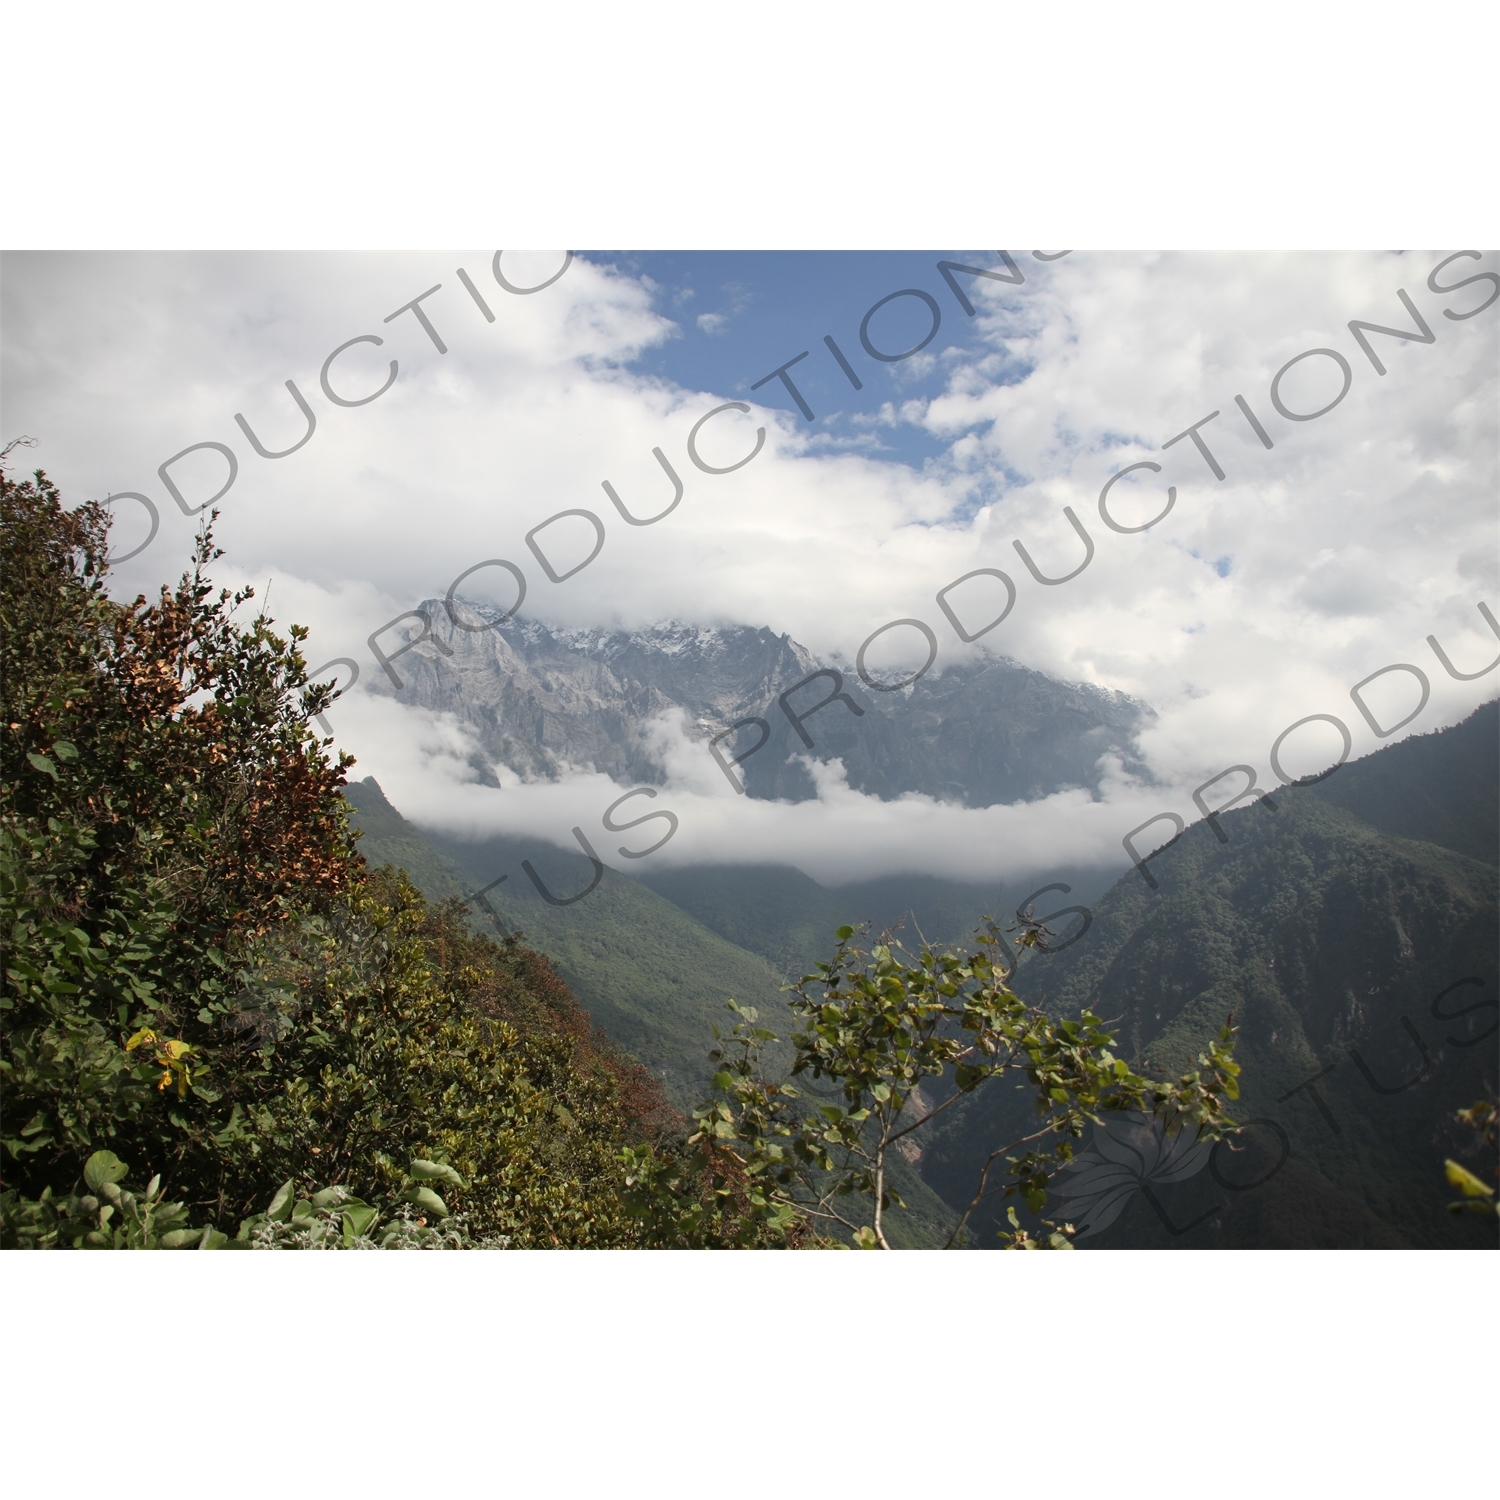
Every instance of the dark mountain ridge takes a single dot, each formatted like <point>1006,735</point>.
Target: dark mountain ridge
<point>1360,963</point>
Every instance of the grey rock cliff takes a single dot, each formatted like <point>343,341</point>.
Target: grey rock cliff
<point>543,701</point>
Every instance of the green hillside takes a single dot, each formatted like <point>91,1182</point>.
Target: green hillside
<point>651,977</point>
<point>1441,788</point>
<point>1331,941</point>
<point>788,918</point>
<point>386,838</point>
<point>654,958</point>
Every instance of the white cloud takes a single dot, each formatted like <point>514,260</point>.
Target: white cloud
<point>1350,541</point>
<point>425,763</point>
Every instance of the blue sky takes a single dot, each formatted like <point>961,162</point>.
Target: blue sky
<point>762,308</point>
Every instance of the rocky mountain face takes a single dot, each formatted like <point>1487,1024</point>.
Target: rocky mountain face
<point>543,701</point>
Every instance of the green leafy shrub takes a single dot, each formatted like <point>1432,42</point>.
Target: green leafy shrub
<point>334,1219</point>
<point>399,1034</point>
<point>162,803</point>
<point>201,976</point>
<point>103,1215</point>
<point>903,1038</point>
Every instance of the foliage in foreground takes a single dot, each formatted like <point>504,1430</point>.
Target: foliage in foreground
<point>903,1037</point>
<point>201,977</point>
<point>101,1214</point>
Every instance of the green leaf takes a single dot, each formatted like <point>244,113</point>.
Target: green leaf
<point>864,1239</point>
<point>435,1171</point>
<point>65,750</point>
<point>42,764</point>
<point>843,935</point>
<point>424,1197</point>
<point>102,1167</point>
<point>359,1219</point>
<point>281,1205</point>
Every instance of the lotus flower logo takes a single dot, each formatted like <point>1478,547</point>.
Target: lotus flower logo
<point>1130,1153</point>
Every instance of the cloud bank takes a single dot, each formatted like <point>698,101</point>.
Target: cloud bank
<point>1258,598</point>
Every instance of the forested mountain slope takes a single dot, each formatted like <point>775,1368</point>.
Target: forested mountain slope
<point>1348,949</point>
<point>789,919</point>
<point>637,949</point>
<point>1441,788</point>
<point>651,977</point>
